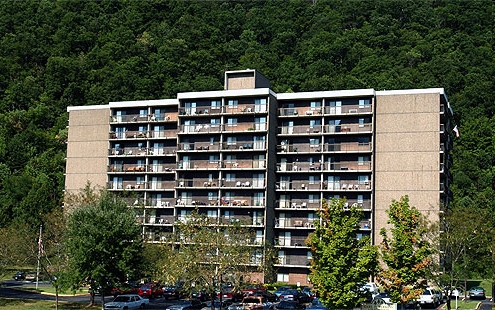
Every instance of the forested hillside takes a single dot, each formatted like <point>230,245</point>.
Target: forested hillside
<point>55,54</point>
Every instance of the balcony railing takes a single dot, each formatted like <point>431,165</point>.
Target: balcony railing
<point>297,222</point>
<point>300,130</point>
<point>238,183</point>
<point>293,242</point>
<point>144,118</point>
<point>347,147</point>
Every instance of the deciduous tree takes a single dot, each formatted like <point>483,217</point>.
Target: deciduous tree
<point>103,240</point>
<point>406,254</point>
<point>341,261</point>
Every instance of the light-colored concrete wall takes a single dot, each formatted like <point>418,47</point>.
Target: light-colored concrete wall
<point>87,149</point>
<point>407,144</point>
<point>241,83</point>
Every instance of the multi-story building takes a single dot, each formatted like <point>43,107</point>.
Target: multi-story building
<point>247,153</point>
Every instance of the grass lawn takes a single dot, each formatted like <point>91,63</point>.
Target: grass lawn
<point>14,304</point>
<point>51,290</point>
<point>468,304</point>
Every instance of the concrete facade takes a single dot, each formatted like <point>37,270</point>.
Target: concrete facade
<point>248,154</point>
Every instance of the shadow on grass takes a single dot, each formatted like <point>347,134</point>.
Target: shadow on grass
<point>14,304</point>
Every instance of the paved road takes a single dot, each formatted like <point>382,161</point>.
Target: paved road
<point>9,289</point>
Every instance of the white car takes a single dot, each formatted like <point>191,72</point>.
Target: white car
<point>130,301</point>
<point>370,287</point>
<point>430,297</point>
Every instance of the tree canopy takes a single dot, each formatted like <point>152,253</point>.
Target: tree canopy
<point>102,241</point>
<point>341,263</point>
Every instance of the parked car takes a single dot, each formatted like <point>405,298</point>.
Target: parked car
<point>256,303</point>
<point>281,289</point>
<point>307,290</point>
<point>129,301</point>
<point>124,289</point>
<point>20,275</point>
<point>253,288</point>
<point>217,305</point>
<point>172,291</point>
<point>150,291</point>
<point>294,295</point>
<point>266,295</point>
<point>371,288</point>
<point>477,292</point>
<point>316,305</point>
<point>230,293</point>
<point>430,298</point>
<point>31,276</point>
<point>201,295</point>
<point>288,305</point>
<point>383,296</point>
<point>191,304</point>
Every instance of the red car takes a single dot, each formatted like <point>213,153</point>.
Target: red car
<point>229,293</point>
<point>252,289</point>
<point>124,288</point>
<point>150,291</point>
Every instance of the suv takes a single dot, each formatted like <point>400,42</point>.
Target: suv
<point>430,297</point>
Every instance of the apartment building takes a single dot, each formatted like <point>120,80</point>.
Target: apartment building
<point>248,154</point>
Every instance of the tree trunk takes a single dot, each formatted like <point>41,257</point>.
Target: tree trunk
<point>91,299</point>
<point>102,300</point>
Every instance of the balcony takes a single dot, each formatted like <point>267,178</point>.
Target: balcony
<point>160,203</point>
<point>296,222</point>
<point>350,165</point>
<point>349,109</point>
<point>163,134</point>
<point>199,146</point>
<point>347,147</point>
<point>290,242</point>
<point>347,185</point>
<point>244,164</point>
<point>299,185</point>
<point>300,130</point>
<point>241,201</point>
<point>244,145</point>
<point>199,164</point>
<point>144,118</point>
<point>299,111</point>
<point>200,128</point>
<point>348,128</point>
<point>299,148</point>
<point>299,166</point>
<point>237,183</point>
<point>243,220</point>
<point>298,204</point>
<point>158,220</point>
<point>128,168</point>
<point>293,260</point>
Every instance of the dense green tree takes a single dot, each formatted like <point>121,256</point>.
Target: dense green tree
<point>341,262</point>
<point>102,241</point>
<point>406,253</point>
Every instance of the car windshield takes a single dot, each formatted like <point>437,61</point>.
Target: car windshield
<point>184,302</point>
<point>121,299</point>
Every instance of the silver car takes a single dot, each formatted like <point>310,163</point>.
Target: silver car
<point>130,301</point>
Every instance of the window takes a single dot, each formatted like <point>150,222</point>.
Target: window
<point>260,105</point>
<point>313,198</point>
<point>363,179</point>
<point>309,255</point>
<point>232,104</point>
<point>314,142</point>
<point>232,122</point>
<point>230,158</point>
<point>214,122</point>
<point>212,196</point>
<point>314,179</point>
<point>315,104</point>
<point>360,198</point>
<point>231,140</point>
<point>143,113</point>
<point>229,214</point>
<point>364,140</point>
<point>211,213</point>
<point>364,102</point>
<point>230,177</point>
<point>282,277</point>
<point>214,159</point>
<point>215,104</point>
